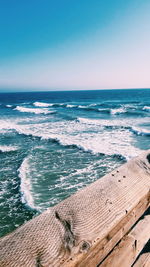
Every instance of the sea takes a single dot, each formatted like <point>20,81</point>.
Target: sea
<point>52,144</point>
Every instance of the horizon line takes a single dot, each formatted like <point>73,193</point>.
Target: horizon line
<point>22,90</point>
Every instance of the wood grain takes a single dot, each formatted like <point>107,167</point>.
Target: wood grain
<point>81,230</point>
<point>143,261</point>
<point>131,245</point>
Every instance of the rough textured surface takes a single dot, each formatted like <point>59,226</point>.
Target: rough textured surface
<point>67,234</point>
<point>126,252</point>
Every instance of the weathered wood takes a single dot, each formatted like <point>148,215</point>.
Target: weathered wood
<point>81,230</point>
<point>143,261</point>
<point>126,252</point>
<point>144,257</point>
<point>105,246</point>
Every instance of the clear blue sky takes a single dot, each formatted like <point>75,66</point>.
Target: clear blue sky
<point>74,44</point>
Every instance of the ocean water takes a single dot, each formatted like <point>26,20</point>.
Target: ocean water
<point>52,144</point>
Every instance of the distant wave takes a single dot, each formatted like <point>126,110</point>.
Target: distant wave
<point>34,110</point>
<point>113,111</point>
<point>128,111</point>
<point>118,111</point>
<point>71,106</point>
<point>147,108</point>
<point>104,108</point>
<point>25,184</point>
<point>90,107</point>
<point>41,104</point>
<point>8,106</point>
<point>8,148</point>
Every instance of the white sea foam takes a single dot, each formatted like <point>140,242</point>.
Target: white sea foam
<point>102,122</point>
<point>41,104</point>
<point>84,107</point>
<point>33,110</point>
<point>118,111</point>
<point>94,122</point>
<point>25,185</point>
<point>140,131</point>
<point>8,106</point>
<point>5,148</point>
<point>147,108</point>
<point>71,106</point>
<point>93,105</point>
<point>116,141</point>
<point>86,134</point>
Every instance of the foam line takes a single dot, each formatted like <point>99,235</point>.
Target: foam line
<point>25,185</point>
<point>33,110</point>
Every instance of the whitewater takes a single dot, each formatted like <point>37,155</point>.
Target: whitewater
<point>55,143</point>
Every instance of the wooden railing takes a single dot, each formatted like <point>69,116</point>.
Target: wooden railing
<point>97,226</point>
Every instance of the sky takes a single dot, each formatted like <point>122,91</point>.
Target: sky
<point>74,44</point>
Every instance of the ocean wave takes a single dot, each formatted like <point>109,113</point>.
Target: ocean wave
<point>116,149</point>
<point>105,123</point>
<point>34,110</point>
<point>73,134</point>
<point>71,106</point>
<point>95,108</point>
<point>139,131</point>
<point>147,108</point>
<point>128,111</point>
<point>57,105</point>
<point>41,104</point>
<point>106,110</point>
<point>8,106</point>
<point>89,135</point>
<point>116,124</point>
<point>67,117</point>
<point>102,108</point>
<point>25,184</point>
<point>90,121</point>
<point>89,108</point>
<point>118,111</point>
<point>5,148</point>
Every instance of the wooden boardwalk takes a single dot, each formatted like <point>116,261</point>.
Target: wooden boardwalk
<point>104,224</point>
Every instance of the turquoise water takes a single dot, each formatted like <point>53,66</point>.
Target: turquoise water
<point>54,143</point>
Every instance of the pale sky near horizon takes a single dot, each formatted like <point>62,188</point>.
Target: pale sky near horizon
<point>82,44</point>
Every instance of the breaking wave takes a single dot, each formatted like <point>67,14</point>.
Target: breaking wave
<point>8,106</point>
<point>139,131</point>
<point>25,184</point>
<point>115,142</point>
<point>34,110</point>
<point>118,111</point>
<point>41,104</point>
<point>5,148</point>
<point>147,108</point>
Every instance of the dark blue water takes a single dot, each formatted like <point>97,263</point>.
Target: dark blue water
<point>55,143</point>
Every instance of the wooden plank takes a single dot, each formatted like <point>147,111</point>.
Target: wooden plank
<point>143,261</point>
<point>104,246</point>
<point>82,229</point>
<point>144,257</point>
<point>129,248</point>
